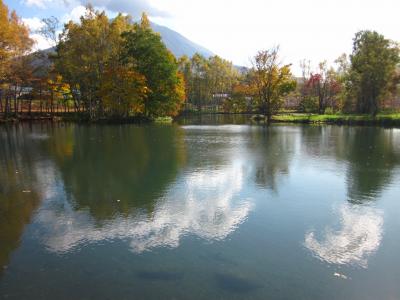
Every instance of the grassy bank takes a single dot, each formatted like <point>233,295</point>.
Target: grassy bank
<point>392,119</point>
<point>383,119</point>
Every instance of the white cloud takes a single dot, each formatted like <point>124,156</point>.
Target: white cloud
<point>40,42</point>
<point>132,7</point>
<point>38,3</point>
<point>74,14</point>
<point>34,25</point>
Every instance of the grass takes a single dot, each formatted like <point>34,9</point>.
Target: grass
<point>390,119</point>
<point>163,120</point>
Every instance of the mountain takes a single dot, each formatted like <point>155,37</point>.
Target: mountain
<point>178,44</point>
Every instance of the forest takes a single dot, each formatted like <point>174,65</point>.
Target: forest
<point>102,68</point>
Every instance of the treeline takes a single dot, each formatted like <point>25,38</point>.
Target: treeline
<point>115,68</point>
<point>365,82</point>
<point>100,68</point>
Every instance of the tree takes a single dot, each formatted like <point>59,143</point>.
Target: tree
<point>208,80</point>
<point>324,86</point>
<point>49,30</point>
<point>88,51</point>
<point>145,50</point>
<point>123,91</point>
<point>14,44</point>
<point>373,64</point>
<point>199,92</point>
<point>14,39</point>
<point>272,81</point>
<point>345,101</point>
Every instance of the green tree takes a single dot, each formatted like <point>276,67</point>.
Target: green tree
<point>146,51</point>
<point>373,64</point>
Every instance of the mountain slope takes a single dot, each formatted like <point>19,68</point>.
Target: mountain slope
<point>178,44</point>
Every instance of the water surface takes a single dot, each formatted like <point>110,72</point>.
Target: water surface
<point>203,209</point>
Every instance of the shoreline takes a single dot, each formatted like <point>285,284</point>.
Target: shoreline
<point>382,120</point>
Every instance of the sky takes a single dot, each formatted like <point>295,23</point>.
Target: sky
<point>315,30</point>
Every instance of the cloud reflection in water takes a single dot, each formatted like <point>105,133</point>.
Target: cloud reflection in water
<point>359,236</point>
<point>204,203</point>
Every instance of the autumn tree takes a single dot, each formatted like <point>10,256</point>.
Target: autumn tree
<point>207,79</point>
<point>88,51</point>
<point>14,39</point>
<point>14,44</point>
<point>373,63</point>
<point>272,80</point>
<point>199,90</point>
<point>323,85</point>
<point>123,91</point>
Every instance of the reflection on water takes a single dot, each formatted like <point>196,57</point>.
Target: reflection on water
<point>203,203</point>
<point>370,155</point>
<point>358,236</point>
<point>271,153</point>
<point>19,196</point>
<point>171,199</point>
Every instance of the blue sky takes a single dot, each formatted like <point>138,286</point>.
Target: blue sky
<point>305,29</point>
<point>27,10</point>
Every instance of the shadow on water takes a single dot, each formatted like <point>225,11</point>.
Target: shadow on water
<point>236,284</point>
<point>160,275</point>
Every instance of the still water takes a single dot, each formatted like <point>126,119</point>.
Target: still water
<point>203,209</point>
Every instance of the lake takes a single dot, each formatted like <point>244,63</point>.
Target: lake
<point>208,208</point>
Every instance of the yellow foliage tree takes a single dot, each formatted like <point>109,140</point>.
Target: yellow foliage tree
<point>14,39</point>
<point>123,91</point>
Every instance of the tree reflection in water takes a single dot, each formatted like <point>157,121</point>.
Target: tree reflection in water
<point>370,156</point>
<point>145,193</point>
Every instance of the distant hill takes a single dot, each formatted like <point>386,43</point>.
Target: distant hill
<point>178,44</point>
